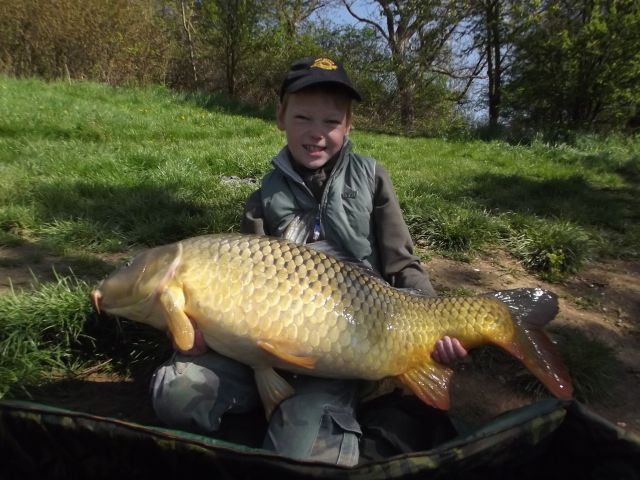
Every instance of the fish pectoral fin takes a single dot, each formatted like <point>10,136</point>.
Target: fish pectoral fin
<point>272,388</point>
<point>430,383</point>
<point>286,353</point>
<point>180,327</point>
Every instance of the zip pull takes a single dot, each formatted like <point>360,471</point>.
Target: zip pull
<point>315,236</point>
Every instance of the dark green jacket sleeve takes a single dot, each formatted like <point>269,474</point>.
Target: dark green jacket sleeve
<point>400,267</point>
<point>253,218</point>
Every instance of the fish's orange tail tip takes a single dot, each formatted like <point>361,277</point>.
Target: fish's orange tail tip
<point>536,350</point>
<point>532,309</point>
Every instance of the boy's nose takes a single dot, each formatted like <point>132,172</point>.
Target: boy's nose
<point>316,132</point>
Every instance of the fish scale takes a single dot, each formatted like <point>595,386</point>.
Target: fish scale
<point>270,303</point>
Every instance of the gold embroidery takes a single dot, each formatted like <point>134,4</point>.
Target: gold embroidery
<point>325,64</point>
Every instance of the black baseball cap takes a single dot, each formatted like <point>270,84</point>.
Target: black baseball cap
<point>316,71</point>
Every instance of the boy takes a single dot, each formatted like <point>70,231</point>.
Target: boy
<point>343,198</point>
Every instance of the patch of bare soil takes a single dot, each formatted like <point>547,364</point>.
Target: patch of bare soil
<point>602,302</point>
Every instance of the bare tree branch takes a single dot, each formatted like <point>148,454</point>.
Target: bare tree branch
<point>366,20</point>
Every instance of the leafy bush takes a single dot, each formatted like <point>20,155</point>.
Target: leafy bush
<point>553,249</point>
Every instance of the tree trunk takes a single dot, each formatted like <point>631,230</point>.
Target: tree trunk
<point>187,28</point>
<point>407,108</point>
<point>494,61</point>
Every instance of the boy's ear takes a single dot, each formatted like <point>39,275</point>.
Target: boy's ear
<point>280,116</point>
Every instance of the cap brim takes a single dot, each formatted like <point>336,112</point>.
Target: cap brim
<point>308,82</point>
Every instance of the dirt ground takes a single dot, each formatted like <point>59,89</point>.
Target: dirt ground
<point>602,302</point>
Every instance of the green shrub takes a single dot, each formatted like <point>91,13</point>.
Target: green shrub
<point>554,250</point>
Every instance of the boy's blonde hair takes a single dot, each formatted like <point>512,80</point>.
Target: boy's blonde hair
<point>341,97</point>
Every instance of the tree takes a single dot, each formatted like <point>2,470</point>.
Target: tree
<point>291,14</point>
<point>486,26</point>
<point>231,25</point>
<point>416,34</point>
<point>187,13</point>
<point>576,65</point>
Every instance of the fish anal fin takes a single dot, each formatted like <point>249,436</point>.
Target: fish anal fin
<point>272,389</point>
<point>287,353</point>
<point>430,383</point>
<point>178,323</point>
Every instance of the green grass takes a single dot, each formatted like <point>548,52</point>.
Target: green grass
<point>89,172</point>
<point>90,169</point>
<point>51,331</point>
<point>39,332</point>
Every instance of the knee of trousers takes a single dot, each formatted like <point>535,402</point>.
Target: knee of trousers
<point>194,392</point>
<point>318,424</point>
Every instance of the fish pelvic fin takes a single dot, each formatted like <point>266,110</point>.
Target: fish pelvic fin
<point>532,309</point>
<point>286,353</point>
<point>180,327</point>
<point>430,383</point>
<point>272,389</point>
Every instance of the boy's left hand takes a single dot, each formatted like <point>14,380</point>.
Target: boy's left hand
<point>448,350</point>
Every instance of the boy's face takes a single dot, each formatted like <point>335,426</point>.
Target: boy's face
<point>316,124</point>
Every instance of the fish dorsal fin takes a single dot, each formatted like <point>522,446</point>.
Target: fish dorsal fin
<point>272,388</point>
<point>180,327</point>
<point>288,354</point>
<point>430,383</point>
<point>300,227</point>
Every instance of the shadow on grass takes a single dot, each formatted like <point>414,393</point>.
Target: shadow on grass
<point>29,264</point>
<point>222,103</point>
<point>112,218</point>
<point>570,198</point>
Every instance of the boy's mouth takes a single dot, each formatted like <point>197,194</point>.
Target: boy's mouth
<point>313,148</point>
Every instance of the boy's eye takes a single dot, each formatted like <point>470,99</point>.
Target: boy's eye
<point>301,117</point>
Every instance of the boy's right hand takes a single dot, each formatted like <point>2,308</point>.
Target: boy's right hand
<point>448,350</point>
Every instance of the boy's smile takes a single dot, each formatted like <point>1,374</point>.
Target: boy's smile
<point>316,124</point>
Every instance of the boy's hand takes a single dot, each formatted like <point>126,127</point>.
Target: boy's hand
<point>448,350</point>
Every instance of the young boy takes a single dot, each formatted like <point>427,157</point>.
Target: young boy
<point>350,202</point>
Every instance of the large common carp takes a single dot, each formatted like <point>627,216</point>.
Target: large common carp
<point>267,302</point>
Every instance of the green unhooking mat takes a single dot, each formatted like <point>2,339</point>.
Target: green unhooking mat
<point>547,440</point>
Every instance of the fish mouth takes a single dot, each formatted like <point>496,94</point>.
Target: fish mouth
<point>135,309</point>
<point>96,299</point>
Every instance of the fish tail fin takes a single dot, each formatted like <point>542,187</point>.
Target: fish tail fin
<point>532,309</point>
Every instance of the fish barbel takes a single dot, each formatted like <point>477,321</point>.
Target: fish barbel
<point>270,303</point>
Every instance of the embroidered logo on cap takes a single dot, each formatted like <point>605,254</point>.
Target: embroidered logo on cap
<point>324,64</point>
